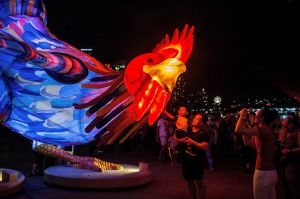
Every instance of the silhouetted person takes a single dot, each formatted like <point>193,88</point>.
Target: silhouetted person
<point>290,156</point>
<point>265,175</point>
<point>194,144</point>
<point>162,134</point>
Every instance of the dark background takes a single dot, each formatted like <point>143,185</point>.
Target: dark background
<point>245,49</point>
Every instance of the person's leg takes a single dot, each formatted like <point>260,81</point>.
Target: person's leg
<point>37,164</point>
<point>264,184</point>
<point>209,158</point>
<point>163,145</point>
<point>272,180</point>
<point>171,155</point>
<point>192,189</point>
<point>259,189</point>
<point>200,189</point>
<point>283,180</point>
<point>162,153</point>
<point>292,176</point>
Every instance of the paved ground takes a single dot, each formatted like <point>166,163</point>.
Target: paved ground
<point>227,182</point>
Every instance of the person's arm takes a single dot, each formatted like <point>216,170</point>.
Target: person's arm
<point>168,114</point>
<point>295,150</point>
<point>179,139</point>
<point>241,127</point>
<point>199,145</point>
<point>247,140</point>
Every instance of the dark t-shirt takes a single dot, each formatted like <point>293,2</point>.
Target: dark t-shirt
<point>199,137</point>
<point>193,158</point>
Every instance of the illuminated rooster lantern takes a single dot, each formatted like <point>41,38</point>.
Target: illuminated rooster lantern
<point>53,93</point>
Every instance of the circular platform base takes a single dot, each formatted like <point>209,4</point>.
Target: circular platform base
<point>68,176</point>
<point>14,182</point>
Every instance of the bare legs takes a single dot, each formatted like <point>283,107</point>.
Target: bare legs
<point>196,189</point>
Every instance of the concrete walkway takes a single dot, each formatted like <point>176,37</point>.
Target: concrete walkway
<point>226,182</point>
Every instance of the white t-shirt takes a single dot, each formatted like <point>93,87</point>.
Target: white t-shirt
<point>163,126</point>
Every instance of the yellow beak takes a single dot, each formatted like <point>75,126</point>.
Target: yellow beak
<point>166,72</point>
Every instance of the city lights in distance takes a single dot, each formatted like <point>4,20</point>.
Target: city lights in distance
<point>217,99</point>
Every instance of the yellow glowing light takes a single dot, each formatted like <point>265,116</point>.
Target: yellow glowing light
<point>131,170</point>
<point>155,78</point>
<point>166,72</point>
<point>147,92</point>
<point>170,69</point>
<point>125,171</point>
<point>0,176</point>
<point>153,109</point>
<point>141,103</point>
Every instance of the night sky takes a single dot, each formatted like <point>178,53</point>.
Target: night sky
<point>241,50</point>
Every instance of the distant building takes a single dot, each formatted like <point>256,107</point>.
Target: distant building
<point>87,50</point>
<point>179,96</point>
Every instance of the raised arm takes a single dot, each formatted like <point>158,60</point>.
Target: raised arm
<point>168,114</point>
<point>241,127</point>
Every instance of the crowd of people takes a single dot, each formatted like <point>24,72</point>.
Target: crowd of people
<point>267,141</point>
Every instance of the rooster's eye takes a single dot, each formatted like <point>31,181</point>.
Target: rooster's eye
<point>150,60</point>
